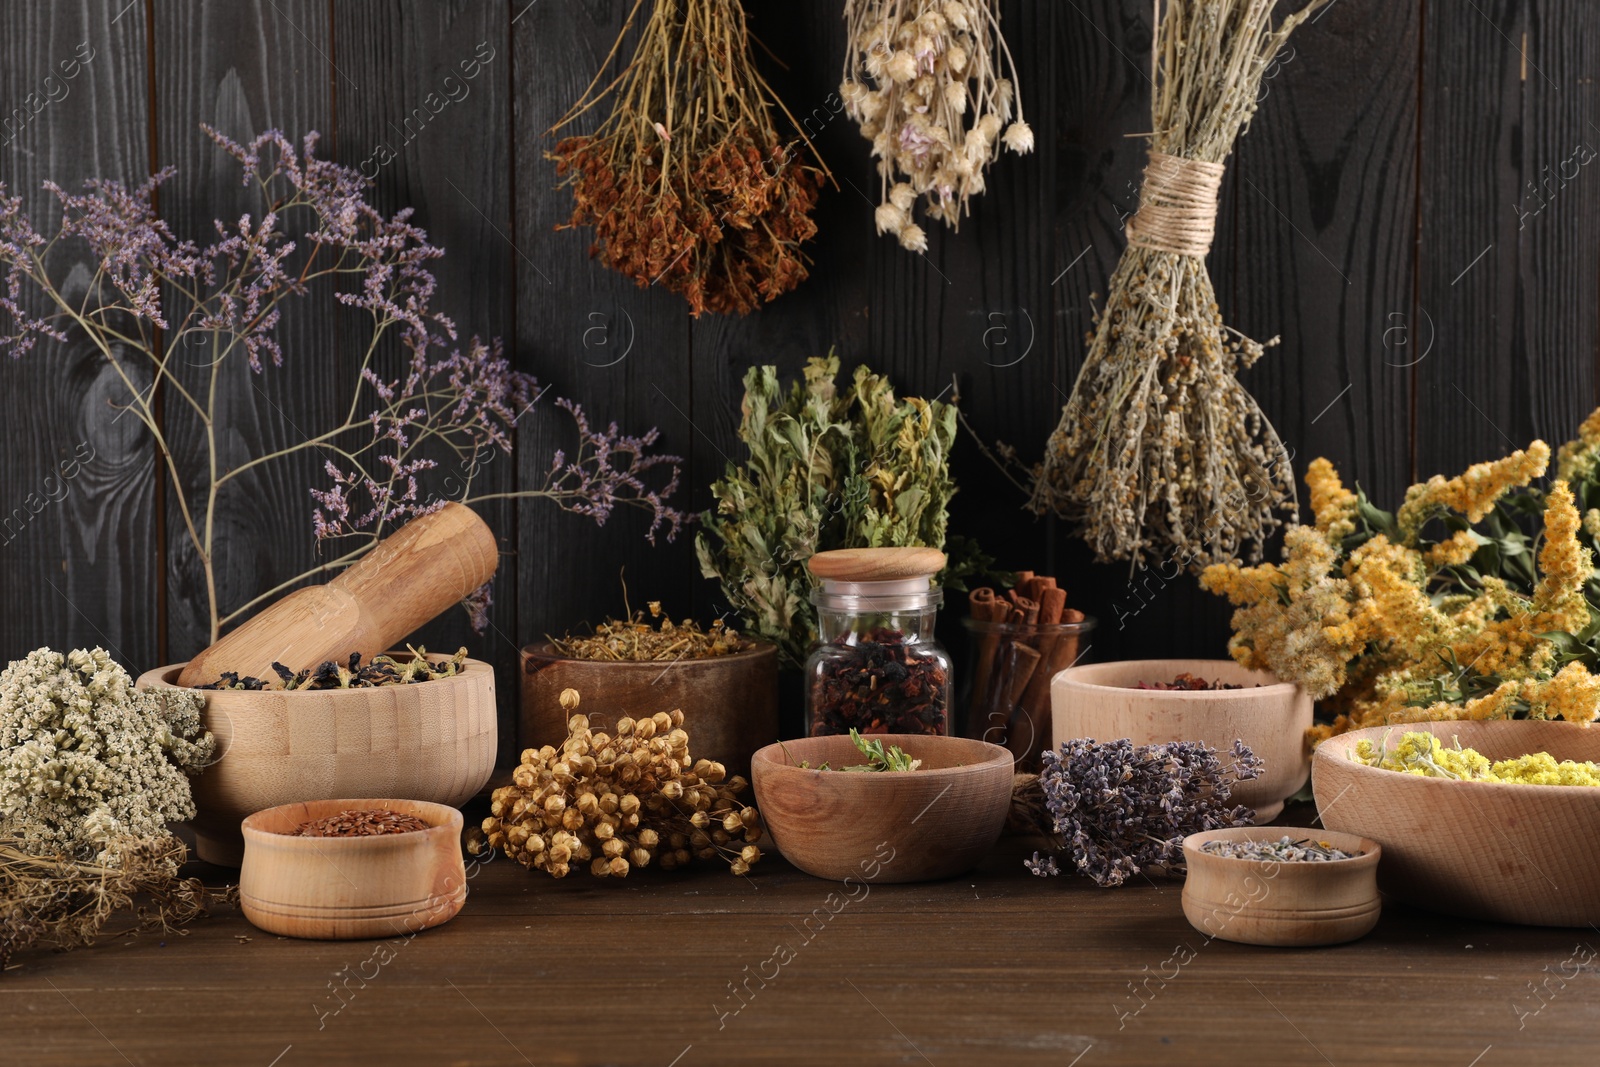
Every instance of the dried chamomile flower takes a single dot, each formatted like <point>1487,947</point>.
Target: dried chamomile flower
<point>925,81</point>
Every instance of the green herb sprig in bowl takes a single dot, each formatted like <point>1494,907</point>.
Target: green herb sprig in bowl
<point>878,759</point>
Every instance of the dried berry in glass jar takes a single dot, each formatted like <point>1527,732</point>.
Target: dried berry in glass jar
<point>876,667</point>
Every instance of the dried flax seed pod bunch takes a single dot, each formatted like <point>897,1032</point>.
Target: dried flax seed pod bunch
<point>620,801</point>
<point>687,182</point>
<point>923,78</point>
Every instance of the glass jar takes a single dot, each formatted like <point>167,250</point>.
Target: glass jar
<point>876,665</point>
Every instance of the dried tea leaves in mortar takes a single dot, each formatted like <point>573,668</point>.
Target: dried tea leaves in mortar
<point>382,671</point>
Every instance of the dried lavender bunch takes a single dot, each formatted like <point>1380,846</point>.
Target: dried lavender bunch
<point>227,298</point>
<point>925,81</point>
<point>687,182</point>
<point>1159,447</point>
<point>62,902</point>
<point>1118,807</point>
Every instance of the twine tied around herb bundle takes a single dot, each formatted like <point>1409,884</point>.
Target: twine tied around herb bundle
<point>1177,205</point>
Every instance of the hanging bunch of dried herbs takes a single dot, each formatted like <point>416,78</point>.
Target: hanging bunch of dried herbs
<point>687,182</point>
<point>925,81</point>
<point>1159,447</point>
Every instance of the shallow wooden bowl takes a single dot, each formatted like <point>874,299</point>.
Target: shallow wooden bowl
<point>1096,700</point>
<point>431,741</point>
<point>1263,902</point>
<point>332,888</point>
<point>1484,850</point>
<point>889,826</point>
<point>729,703</point>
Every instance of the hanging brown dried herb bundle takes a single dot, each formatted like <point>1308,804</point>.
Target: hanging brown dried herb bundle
<point>50,901</point>
<point>925,80</point>
<point>687,182</point>
<point>1159,446</point>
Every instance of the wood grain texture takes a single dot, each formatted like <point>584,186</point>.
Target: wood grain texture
<point>1323,247</point>
<point>1500,851</point>
<point>891,827</point>
<point>79,560</point>
<point>1509,268</point>
<point>591,336</point>
<point>244,68</point>
<point>1045,970</point>
<point>336,889</point>
<point>1264,902</point>
<point>432,741</point>
<point>424,105</point>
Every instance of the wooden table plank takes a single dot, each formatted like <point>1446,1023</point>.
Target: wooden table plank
<point>996,967</point>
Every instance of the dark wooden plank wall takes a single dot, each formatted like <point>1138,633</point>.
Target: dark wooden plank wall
<point>1412,212</point>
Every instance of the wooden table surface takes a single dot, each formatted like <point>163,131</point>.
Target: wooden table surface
<point>998,967</point>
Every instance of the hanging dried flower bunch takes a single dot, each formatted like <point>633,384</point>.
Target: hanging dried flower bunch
<point>1159,446</point>
<point>923,79</point>
<point>687,182</point>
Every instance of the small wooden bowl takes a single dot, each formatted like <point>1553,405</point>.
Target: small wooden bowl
<point>342,888</point>
<point>729,703</point>
<point>1483,850</point>
<point>1099,701</point>
<point>1263,902</point>
<point>432,741</point>
<point>890,826</point>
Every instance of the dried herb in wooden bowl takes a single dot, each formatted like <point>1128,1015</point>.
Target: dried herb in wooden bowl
<point>381,671</point>
<point>360,822</point>
<point>636,640</point>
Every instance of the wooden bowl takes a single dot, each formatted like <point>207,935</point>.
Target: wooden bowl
<point>1483,850</point>
<point>889,826</point>
<point>339,888</point>
<point>1263,902</point>
<point>729,703</point>
<point>431,741</point>
<point>1098,701</point>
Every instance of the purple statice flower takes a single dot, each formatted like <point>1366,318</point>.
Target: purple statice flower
<point>19,251</point>
<point>1118,807</point>
<point>477,605</point>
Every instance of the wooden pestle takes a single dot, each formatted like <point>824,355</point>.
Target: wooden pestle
<point>409,577</point>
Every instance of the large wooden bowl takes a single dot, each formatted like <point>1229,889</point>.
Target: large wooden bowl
<point>1264,902</point>
<point>729,703</point>
<point>890,826</point>
<point>1098,701</point>
<point>432,741</point>
<point>1484,850</point>
<point>335,888</point>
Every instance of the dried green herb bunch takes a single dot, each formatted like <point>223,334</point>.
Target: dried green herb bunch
<point>687,182</point>
<point>53,900</point>
<point>924,79</point>
<point>827,469</point>
<point>1160,449</point>
<point>87,761</point>
<point>621,801</point>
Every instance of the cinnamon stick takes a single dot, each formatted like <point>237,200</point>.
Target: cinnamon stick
<point>1018,663</point>
<point>984,606</point>
<point>1036,699</point>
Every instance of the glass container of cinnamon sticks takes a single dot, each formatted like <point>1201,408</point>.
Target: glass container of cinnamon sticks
<point>1018,642</point>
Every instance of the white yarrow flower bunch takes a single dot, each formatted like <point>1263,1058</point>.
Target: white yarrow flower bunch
<point>923,81</point>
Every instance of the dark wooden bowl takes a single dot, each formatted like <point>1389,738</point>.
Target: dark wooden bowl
<point>729,703</point>
<point>884,826</point>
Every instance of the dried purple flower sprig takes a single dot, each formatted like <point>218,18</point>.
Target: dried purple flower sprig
<point>1118,808</point>
<point>455,404</point>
